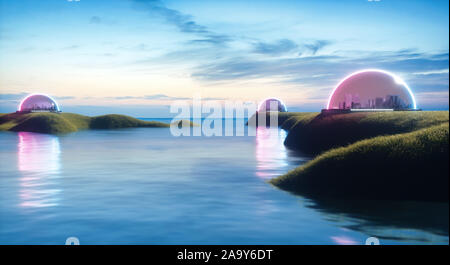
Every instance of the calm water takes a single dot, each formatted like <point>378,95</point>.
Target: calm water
<point>144,186</point>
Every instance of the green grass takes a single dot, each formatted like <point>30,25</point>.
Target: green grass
<point>115,121</point>
<point>407,166</point>
<point>315,134</point>
<point>294,119</point>
<point>382,155</point>
<point>43,123</point>
<point>80,121</point>
<point>56,123</point>
<point>282,117</point>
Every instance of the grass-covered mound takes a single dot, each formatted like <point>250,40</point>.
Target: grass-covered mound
<point>292,120</point>
<point>115,121</point>
<point>55,123</point>
<point>46,124</point>
<point>317,133</point>
<point>282,117</point>
<point>409,166</point>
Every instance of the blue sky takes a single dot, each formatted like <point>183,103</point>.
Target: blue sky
<point>136,56</point>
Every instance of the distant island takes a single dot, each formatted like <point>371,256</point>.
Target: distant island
<point>58,123</point>
<point>398,155</point>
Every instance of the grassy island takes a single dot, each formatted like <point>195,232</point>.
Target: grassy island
<point>316,133</point>
<point>56,123</point>
<point>284,118</point>
<point>389,155</point>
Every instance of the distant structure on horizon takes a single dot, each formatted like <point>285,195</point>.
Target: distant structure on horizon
<point>272,104</point>
<point>38,103</point>
<point>267,105</point>
<point>371,90</point>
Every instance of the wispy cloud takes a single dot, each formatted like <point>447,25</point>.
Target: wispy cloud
<point>95,20</point>
<point>432,72</point>
<point>20,96</point>
<point>64,97</point>
<point>213,98</point>
<point>149,97</point>
<point>320,71</point>
<point>216,39</point>
<point>242,67</point>
<point>317,45</point>
<point>284,46</point>
<point>163,97</point>
<point>100,20</point>
<point>184,22</point>
<point>276,48</point>
<point>13,96</point>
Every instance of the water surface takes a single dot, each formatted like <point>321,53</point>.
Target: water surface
<point>144,186</point>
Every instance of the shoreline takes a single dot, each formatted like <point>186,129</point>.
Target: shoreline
<point>375,156</point>
<point>353,153</point>
<point>61,123</point>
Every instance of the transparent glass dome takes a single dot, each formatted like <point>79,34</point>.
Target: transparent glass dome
<point>38,102</point>
<point>372,89</point>
<point>272,104</point>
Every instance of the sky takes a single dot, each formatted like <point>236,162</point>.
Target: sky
<point>136,57</point>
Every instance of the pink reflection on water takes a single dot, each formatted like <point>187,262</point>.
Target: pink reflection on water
<point>270,152</point>
<point>343,240</point>
<point>38,161</point>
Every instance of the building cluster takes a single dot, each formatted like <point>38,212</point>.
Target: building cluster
<point>41,108</point>
<point>352,101</point>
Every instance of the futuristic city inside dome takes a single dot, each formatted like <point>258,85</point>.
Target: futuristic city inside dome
<point>38,103</point>
<point>372,89</point>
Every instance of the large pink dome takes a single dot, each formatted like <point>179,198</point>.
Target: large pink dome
<point>372,89</point>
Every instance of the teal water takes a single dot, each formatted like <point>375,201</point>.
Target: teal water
<point>144,186</point>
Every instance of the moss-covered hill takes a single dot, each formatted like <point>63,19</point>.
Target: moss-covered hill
<point>316,133</point>
<point>409,166</point>
<point>283,117</point>
<point>55,123</point>
<point>388,156</point>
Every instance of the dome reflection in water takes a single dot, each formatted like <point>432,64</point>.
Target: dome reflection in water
<point>271,154</point>
<point>39,164</point>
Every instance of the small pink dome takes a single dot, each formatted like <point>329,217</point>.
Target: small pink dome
<point>38,102</point>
